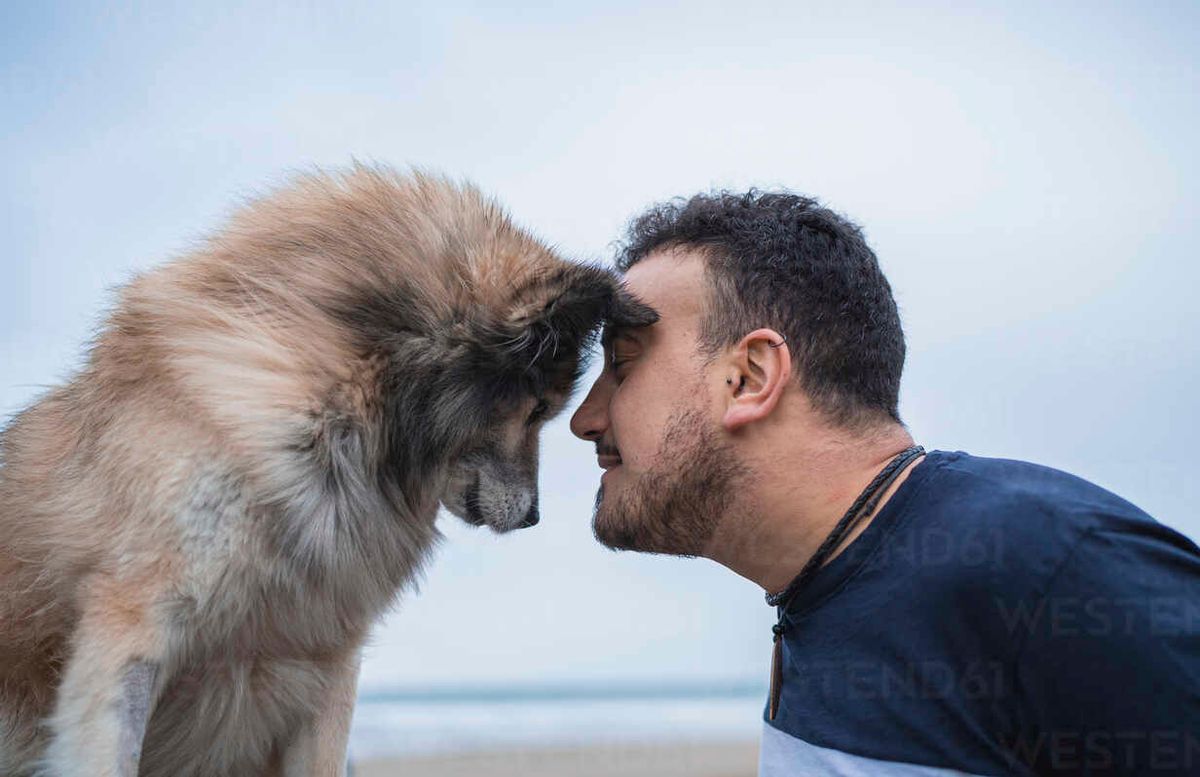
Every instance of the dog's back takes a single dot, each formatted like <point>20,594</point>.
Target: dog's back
<point>35,614</point>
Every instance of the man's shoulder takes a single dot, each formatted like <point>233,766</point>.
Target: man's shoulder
<point>1025,498</point>
<point>992,524</point>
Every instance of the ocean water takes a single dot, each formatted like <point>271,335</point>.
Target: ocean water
<point>429,722</point>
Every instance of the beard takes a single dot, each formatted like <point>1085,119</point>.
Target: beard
<point>676,505</point>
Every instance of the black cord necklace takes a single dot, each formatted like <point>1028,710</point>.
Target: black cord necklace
<point>869,497</point>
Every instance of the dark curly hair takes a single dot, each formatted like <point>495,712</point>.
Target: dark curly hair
<point>780,260</point>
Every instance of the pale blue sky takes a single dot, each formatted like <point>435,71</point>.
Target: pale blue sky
<point>1027,176</point>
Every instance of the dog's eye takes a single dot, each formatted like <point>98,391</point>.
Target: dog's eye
<point>539,411</point>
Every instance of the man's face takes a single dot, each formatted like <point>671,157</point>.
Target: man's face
<point>653,415</point>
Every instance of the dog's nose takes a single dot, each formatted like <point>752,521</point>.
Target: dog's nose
<point>531,518</point>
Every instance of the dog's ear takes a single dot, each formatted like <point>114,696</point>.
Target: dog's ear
<point>626,310</point>
<point>560,328</point>
<point>572,306</point>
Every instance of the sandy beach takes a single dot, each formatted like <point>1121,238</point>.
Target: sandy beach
<point>728,759</point>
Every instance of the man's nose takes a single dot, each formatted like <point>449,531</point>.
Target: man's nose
<point>590,421</point>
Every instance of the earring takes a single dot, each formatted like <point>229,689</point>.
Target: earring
<point>729,381</point>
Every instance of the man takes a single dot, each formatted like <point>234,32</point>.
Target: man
<point>981,616</point>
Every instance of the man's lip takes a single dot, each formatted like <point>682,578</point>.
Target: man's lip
<point>608,462</point>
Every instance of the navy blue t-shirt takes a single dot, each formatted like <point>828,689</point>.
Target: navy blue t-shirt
<point>996,617</point>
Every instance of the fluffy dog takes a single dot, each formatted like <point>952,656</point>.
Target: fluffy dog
<point>198,530</point>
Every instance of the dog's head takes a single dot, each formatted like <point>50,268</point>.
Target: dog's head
<point>523,370</point>
<point>524,373</point>
<point>473,334</point>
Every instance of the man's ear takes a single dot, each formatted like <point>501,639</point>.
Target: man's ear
<point>757,373</point>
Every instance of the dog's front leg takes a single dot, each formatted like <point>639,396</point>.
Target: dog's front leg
<point>320,750</point>
<point>107,692</point>
<point>137,698</point>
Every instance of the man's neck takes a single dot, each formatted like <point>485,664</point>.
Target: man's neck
<point>797,499</point>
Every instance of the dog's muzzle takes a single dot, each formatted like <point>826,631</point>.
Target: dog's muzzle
<point>474,515</point>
